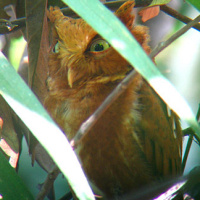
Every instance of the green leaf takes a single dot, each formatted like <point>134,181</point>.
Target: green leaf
<point>159,2</point>
<point>195,3</point>
<point>28,108</point>
<point>119,37</point>
<point>11,186</point>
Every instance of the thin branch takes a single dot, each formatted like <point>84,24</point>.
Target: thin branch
<point>188,131</point>
<point>187,150</point>
<point>48,184</point>
<point>112,5</point>
<point>178,16</point>
<point>7,26</point>
<point>89,123</point>
<point>189,143</point>
<point>166,43</point>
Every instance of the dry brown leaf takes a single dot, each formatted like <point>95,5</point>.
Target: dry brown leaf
<point>9,142</point>
<point>149,13</point>
<point>35,39</point>
<point>13,156</point>
<point>38,48</point>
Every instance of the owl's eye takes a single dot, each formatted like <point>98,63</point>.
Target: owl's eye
<point>56,48</point>
<point>99,45</point>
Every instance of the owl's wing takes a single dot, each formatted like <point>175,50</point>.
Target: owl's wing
<point>160,133</point>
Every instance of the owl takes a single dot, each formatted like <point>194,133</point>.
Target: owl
<point>136,141</point>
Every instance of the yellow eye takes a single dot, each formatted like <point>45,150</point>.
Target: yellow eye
<point>99,45</point>
<point>56,48</point>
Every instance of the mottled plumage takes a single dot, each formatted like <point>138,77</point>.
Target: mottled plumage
<point>134,142</point>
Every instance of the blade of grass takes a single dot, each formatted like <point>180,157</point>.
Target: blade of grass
<point>11,186</point>
<point>28,108</point>
<point>107,25</point>
<point>195,3</point>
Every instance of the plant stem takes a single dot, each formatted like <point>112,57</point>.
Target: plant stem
<point>163,45</point>
<point>112,5</point>
<point>189,144</point>
<point>89,123</point>
<point>48,184</point>
<point>178,16</point>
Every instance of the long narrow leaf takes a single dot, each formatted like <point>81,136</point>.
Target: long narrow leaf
<point>28,108</point>
<point>195,3</point>
<point>107,25</point>
<point>11,186</point>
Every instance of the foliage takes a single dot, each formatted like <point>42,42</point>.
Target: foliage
<point>12,187</point>
<point>195,3</point>
<point>28,108</point>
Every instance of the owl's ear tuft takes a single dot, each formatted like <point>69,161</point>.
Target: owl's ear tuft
<point>54,13</point>
<point>141,34</point>
<point>126,15</point>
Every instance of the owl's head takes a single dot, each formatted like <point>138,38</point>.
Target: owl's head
<point>80,54</point>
